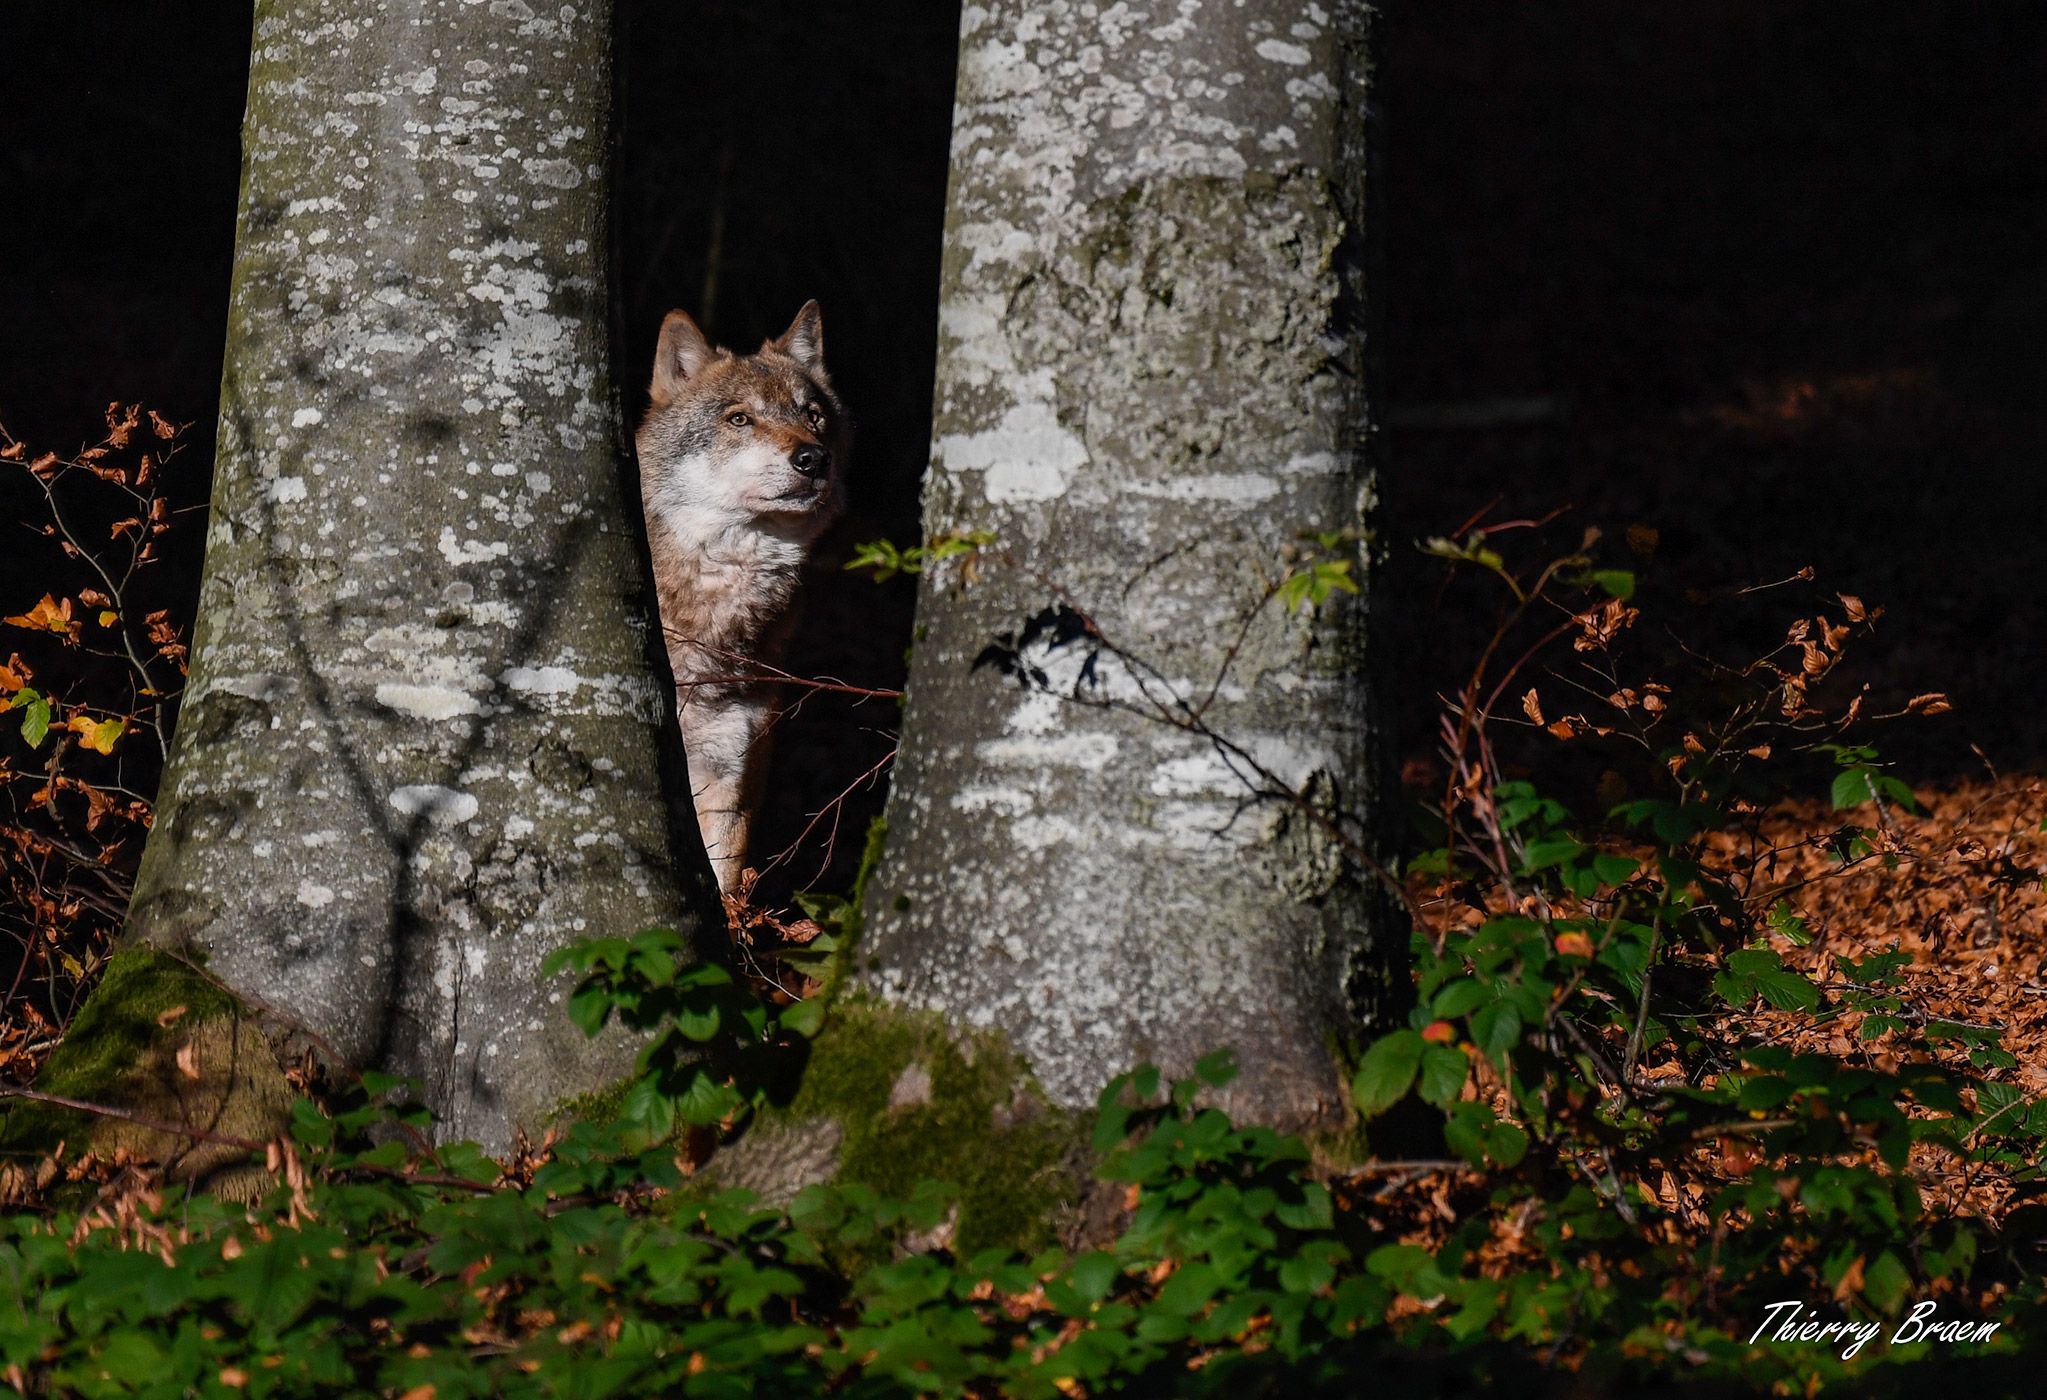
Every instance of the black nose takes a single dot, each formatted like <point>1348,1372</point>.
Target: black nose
<point>810,459</point>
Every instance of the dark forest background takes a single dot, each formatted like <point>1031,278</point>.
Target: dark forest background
<point>1769,277</point>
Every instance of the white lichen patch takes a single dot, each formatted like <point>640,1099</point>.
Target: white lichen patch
<point>542,680</point>
<point>1044,833</point>
<point>1003,801</point>
<point>1039,712</point>
<point>1081,750</point>
<point>1279,51</point>
<point>1238,488</point>
<point>1198,774</point>
<point>457,550</point>
<point>435,702</point>
<point>1027,456</point>
<point>439,805</point>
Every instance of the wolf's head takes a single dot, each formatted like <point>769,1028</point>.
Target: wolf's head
<point>733,442</point>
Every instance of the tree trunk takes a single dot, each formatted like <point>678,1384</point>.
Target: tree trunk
<point>419,749</point>
<point>1152,380</point>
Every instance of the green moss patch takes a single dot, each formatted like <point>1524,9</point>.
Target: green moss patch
<point>120,1051</point>
<point>915,1099</point>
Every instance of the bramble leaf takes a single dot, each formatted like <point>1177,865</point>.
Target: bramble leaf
<point>1389,1067</point>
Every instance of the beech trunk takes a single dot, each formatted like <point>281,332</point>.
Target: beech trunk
<point>1152,381</point>
<point>425,730</point>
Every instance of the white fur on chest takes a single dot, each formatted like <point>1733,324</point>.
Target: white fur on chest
<point>724,584</point>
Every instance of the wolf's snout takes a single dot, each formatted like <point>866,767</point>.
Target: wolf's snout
<point>811,460</point>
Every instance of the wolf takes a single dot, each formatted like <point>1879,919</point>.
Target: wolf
<point>741,470</point>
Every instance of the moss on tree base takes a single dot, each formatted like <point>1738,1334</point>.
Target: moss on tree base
<point>159,1040</point>
<point>893,1098</point>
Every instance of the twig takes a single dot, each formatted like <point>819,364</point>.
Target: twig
<point>140,1120</point>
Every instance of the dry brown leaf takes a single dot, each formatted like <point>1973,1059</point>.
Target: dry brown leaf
<point>48,615</point>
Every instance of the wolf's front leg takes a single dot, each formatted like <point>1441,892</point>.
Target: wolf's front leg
<point>723,743</point>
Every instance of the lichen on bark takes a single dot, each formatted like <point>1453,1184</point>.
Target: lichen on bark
<point>1153,377</point>
<point>419,747</point>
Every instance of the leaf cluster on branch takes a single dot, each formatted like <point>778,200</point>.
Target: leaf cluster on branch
<point>91,680</point>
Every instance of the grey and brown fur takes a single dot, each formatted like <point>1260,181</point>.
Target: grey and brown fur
<point>740,469</point>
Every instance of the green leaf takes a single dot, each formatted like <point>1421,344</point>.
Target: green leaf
<point>1735,991</point>
<point>1093,1275</point>
<point>1551,850</point>
<point>1314,1211</point>
<point>1788,991</point>
<point>647,1107</point>
<point>1408,1267</point>
<point>1388,1069</point>
<point>706,1101</point>
<point>1853,787</point>
<point>654,966</point>
<point>1189,1289</point>
<point>1748,962</point>
<point>1784,919</point>
<point>1310,1271</point>
<point>1614,870</point>
<point>804,1018</point>
<point>1618,582</point>
<point>131,1357</point>
<point>1763,1093</point>
<point>1496,1028</point>
<point>1895,789</point>
<point>1443,1072</point>
<point>589,1007</point>
<point>1506,1144</point>
<point>1216,1068</point>
<point>468,1161</point>
<point>35,721</point>
<point>699,1022</point>
<point>1460,997</point>
<point>1884,1282</point>
<point>1464,1131</point>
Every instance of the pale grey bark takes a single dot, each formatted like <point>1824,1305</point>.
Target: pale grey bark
<point>419,747</point>
<point>1152,371</point>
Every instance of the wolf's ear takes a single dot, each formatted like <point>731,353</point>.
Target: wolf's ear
<point>683,351</point>
<point>803,342</point>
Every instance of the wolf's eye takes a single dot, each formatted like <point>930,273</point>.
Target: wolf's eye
<point>816,417</point>
<point>738,420</point>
